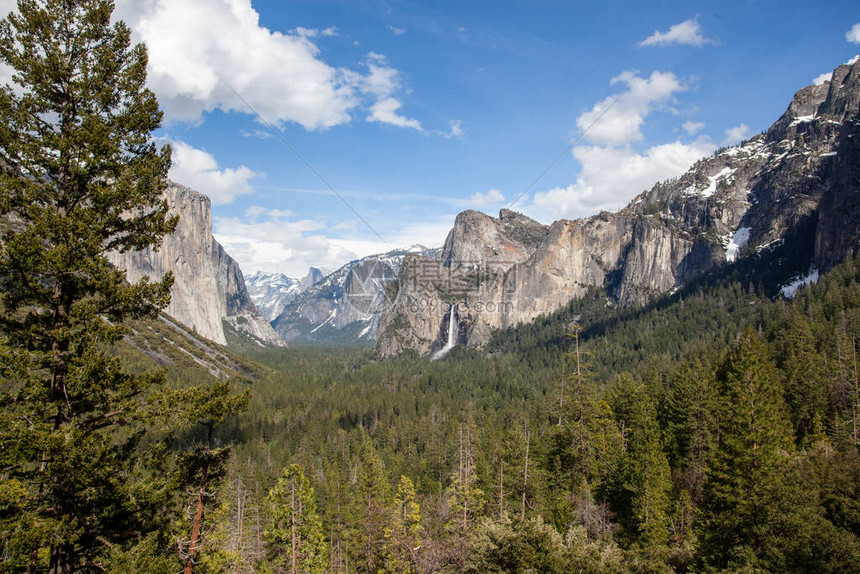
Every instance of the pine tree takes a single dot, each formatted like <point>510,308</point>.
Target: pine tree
<point>373,510</point>
<point>208,406</point>
<point>80,177</point>
<point>650,470</point>
<point>584,450</point>
<point>752,455</point>
<point>465,498</point>
<point>805,377</point>
<point>692,413</point>
<point>403,537</point>
<point>296,540</point>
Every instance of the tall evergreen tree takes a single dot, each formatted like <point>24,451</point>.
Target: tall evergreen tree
<point>752,455</point>
<point>585,448</point>
<point>373,510</point>
<point>403,537</point>
<point>80,177</point>
<point>296,540</point>
<point>650,470</point>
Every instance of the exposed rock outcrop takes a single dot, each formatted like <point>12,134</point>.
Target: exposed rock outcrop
<point>208,285</point>
<point>805,170</point>
<point>344,306</point>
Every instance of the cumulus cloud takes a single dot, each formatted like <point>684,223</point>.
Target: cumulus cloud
<point>192,61</point>
<point>193,65</point>
<point>611,176</point>
<point>385,111</point>
<point>612,169</point>
<point>821,78</point>
<point>688,33</point>
<point>199,170</point>
<point>621,124</point>
<point>492,197</point>
<point>382,82</point>
<point>692,128</point>
<point>853,35</point>
<point>396,31</point>
<point>273,240</point>
<point>736,134</point>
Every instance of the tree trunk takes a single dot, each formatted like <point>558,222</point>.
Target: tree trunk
<point>198,516</point>
<point>293,541</point>
<point>525,478</point>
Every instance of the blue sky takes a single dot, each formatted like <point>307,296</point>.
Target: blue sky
<point>416,111</point>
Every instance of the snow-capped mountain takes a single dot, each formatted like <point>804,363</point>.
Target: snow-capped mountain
<point>272,292</point>
<point>345,305</point>
<point>795,185</point>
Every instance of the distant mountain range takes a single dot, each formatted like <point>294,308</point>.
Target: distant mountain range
<point>272,292</point>
<point>344,306</point>
<point>798,182</point>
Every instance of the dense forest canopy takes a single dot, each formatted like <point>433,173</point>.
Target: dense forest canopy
<point>715,429</point>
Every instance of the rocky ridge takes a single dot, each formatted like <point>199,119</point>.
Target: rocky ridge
<point>800,174</point>
<point>271,292</point>
<point>208,287</point>
<point>345,305</point>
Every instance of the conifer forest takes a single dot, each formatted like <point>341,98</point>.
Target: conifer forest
<point>715,428</point>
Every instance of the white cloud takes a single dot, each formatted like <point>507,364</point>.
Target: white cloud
<point>456,130</point>
<point>853,35</point>
<point>736,134</point>
<point>192,60</point>
<point>692,128</point>
<point>826,76</point>
<point>382,82</point>
<point>306,32</point>
<point>612,170</point>
<point>492,197</point>
<point>193,65</point>
<point>385,111</point>
<point>396,31</point>
<point>688,33</point>
<point>271,240</point>
<point>621,124</point>
<point>820,79</point>
<point>197,169</point>
<point>612,176</point>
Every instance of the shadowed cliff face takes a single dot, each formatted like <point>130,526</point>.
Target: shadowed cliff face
<point>208,288</point>
<point>805,170</point>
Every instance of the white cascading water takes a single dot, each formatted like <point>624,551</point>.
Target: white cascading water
<point>452,337</point>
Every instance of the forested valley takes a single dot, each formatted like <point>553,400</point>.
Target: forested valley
<point>713,429</point>
<point>716,429</point>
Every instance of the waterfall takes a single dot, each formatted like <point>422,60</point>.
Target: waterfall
<point>452,337</point>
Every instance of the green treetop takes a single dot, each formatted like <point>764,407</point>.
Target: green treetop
<point>80,177</point>
<point>296,540</point>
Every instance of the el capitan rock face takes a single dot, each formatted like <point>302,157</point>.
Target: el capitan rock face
<point>209,287</point>
<point>803,173</point>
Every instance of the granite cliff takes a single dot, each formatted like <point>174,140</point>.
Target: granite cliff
<point>209,289</point>
<point>799,178</point>
<point>343,306</point>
